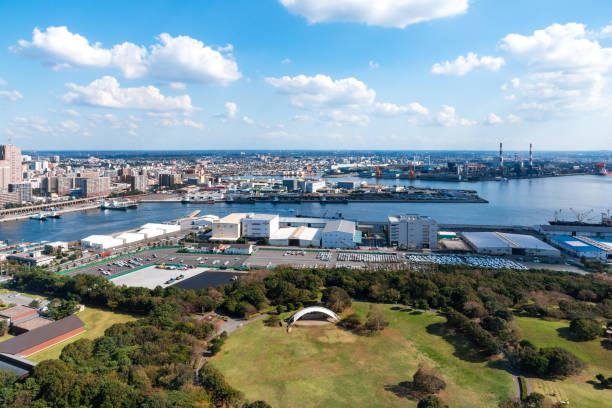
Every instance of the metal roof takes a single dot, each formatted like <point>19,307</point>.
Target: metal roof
<point>33,338</point>
<point>340,226</point>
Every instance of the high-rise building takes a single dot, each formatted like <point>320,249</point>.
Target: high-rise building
<point>10,166</point>
<point>413,231</point>
<point>138,182</point>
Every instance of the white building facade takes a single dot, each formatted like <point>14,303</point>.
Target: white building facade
<point>339,234</point>
<point>260,225</point>
<point>413,231</point>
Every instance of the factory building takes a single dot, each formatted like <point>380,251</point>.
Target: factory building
<point>340,234</point>
<point>228,228</point>
<point>297,236</point>
<point>413,231</point>
<point>101,242</point>
<point>303,222</point>
<point>260,225</point>
<point>290,184</point>
<point>581,246</point>
<point>499,243</point>
<point>18,314</point>
<point>311,186</point>
<point>206,220</point>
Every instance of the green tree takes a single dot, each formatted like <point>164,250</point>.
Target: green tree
<point>57,383</point>
<point>584,329</point>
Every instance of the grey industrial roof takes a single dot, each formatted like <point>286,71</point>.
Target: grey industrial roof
<point>38,336</point>
<point>340,226</point>
<point>505,240</point>
<point>33,323</point>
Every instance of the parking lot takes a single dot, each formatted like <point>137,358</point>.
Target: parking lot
<point>126,263</point>
<point>152,276</point>
<point>482,261</point>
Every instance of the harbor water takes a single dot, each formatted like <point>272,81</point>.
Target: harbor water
<point>514,202</point>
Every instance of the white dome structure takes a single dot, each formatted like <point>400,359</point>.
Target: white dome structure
<point>317,310</point>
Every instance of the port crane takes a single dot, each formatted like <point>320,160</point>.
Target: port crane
<point>581,216</point>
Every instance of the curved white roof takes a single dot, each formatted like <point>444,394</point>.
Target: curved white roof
<point>313,309</point>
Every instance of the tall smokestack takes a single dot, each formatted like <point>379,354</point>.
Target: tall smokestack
<point>501,157</point>
<point>530,154</point>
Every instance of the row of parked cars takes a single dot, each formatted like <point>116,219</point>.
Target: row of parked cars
<point>482,261</point>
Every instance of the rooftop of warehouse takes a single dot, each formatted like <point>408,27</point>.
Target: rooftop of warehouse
<point>576,244</point>
<point>340,226</point>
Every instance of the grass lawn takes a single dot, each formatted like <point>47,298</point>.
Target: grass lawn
<point>325,366</point>
<point>576,389</point>
<point>96,321</point>
<point>6,337</point>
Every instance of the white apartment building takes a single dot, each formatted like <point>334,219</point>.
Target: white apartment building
<point>413,231</point>
<point>228,228</point>
<point>260,225</point>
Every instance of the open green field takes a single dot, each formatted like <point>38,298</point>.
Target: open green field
<point>96,321</point>
<point>577,390</point>
<point>325,366</point>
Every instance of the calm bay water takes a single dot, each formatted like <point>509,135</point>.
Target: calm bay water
<point>515,202</point>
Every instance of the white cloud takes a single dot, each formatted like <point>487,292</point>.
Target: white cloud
<point>180,58</point>
<point>516,82</point>
<point>231,109</point>
<point>606,32</point>
<point>286,61</point>
<point>3,82</point>
<point>373,65</point>
<point>11,95</point>
<point>183,58</point>
<point>462,65</point>
<point>107,92</point>
<point>448,117</point>
<point>511,118</point>
<point>187,122</point>
<point>248,120</point>
<point>301,117</point>
<point>70,126</point>
<point>71,112</point>
<point>386,13</point>
<point>338,117</point>
<point>391,109</point>
<point>493,119</point>
<point>279,133</point>
<point>567,69</point>
<point>179,86</point>
<point>320,91</point>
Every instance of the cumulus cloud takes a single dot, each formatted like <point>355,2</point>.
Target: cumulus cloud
<point>321,90</point>
<point>373,65</point>
<point>391,109</point>
<point>247,120</point>
<point>462,65</point>
<point>107,92</point>
<point>3,82</point>
<point>286,61</point>
<point>448,117</point>
<point>493,119</point>
<point>385,13</point>
<point>567,69</point>
<point>11,95</point>
<point>180,59</point>
<point>231,109</point>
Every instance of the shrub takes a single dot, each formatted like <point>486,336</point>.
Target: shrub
<point>583,329</point>
<point>272,321</point>
<point>352,321</point>
<point>336,299</point>
<point>431,401</point>
<point>427,380</point>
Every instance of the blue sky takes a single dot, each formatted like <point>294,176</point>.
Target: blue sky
<point>306,74</point>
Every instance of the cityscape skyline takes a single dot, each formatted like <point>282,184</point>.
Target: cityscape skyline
<point>290,76</point>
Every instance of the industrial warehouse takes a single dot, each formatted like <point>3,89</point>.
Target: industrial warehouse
<point>498,243</point>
